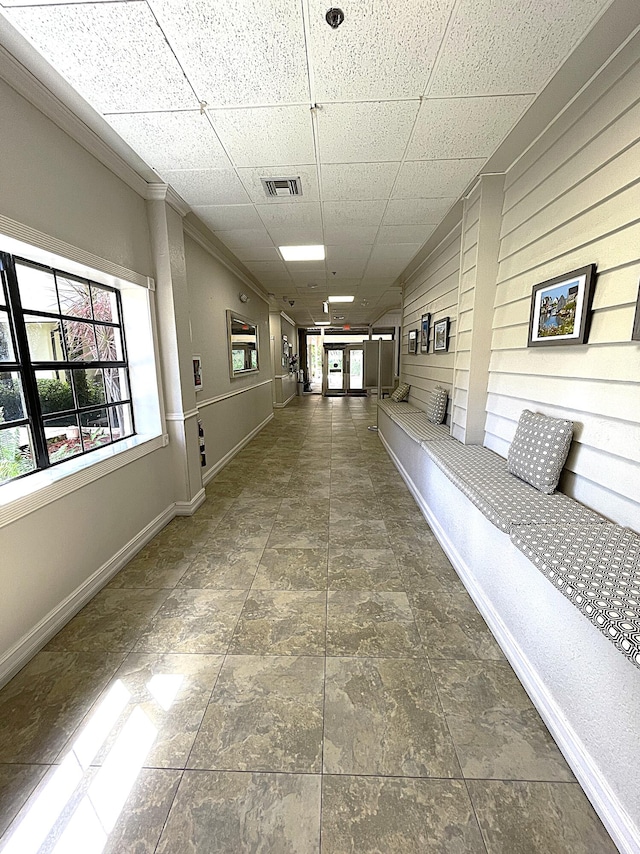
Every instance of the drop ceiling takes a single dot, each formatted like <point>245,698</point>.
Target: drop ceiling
<point>386,121</point>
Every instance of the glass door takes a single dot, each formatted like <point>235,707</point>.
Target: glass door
<point>334,372</point>
<point>355,355</point>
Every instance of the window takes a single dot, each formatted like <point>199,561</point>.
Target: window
<point>64,376</point>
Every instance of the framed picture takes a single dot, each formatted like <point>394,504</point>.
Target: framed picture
<point>561,309</point>
<point>635,335</point>
<point>285,346</point>
<point>441,335</point>
<point>413,340</point>
<point>197,372</point>
<point>425,325</point>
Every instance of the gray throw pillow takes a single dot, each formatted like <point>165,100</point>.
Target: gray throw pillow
<point>401,392</point>
<point>539,449</point>
<point>437,406</point>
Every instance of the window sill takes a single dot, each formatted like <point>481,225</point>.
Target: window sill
<point>23,496</point>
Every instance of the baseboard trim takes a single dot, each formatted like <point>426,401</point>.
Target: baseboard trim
<point>188,508</point>
<point>615,818</point>
<point>282,405</point>
<point>33,641</point>
<point>222,462</point>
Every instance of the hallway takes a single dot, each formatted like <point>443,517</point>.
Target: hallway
<point>295,668</point>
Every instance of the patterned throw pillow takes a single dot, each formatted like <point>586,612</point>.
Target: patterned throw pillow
<point>401,392</point>
<point>539,449</point>
<point>437,406</point>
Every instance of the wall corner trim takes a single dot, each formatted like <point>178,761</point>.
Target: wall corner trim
<point>166,193</point>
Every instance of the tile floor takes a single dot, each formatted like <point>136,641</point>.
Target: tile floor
<point>295,669</point>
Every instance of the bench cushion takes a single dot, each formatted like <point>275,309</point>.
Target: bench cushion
<point>597,567</point>
<point>506,501</point>
<point>414,422</point>
<point>539,449</point>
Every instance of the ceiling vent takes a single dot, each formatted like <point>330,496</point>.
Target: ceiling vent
<point>282,186</point>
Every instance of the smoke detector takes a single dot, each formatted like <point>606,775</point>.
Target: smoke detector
<point>282,186</point>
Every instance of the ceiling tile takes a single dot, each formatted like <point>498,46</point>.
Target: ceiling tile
<point>347,269</point>
<point>353,251</point>
<point>308,178</point>
<point>310,236</point>
<point>362,59</point>
<point>304,277</point>
<point>290,216</point>
<point>389,251</point>
<point>358,133</point>
<point>402,234</point>
<point>267,136</point>
<point>358,181</point>
<point>182,140</point>
<point>257,253</point>
<point>388,267</point>
<point>348,214</point>
<point>227,217</point>
<point>245,238</point>
<point>259,267</point>
<point>242,52</point>
<point>416,211</point>
<point>207,186</point>
<point>306,268</point>
<point>526,43</point>
<point>433,178</point>
<point>349,234</point>
<point>343,284</point>
<point>114,54</point>
<point>453,128</point>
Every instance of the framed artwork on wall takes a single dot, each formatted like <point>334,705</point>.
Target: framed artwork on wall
<point>197,372</point>
<point>561,309</point>
<point>441,335</point>
<point>413,340</point>
<point>425,327</point>
<point>635,334</point>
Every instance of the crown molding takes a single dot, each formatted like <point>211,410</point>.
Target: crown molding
<point>166,193</point>
<point>288,319</point>
<point>209,247</point>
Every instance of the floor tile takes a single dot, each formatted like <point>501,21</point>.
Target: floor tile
<point>346,509</point>
<point>265,714</point>
<point>220,812</point>
<point>245,534</point>
<point>451,627</point>
<point>281,623</point>
<point>122,808</point>
<point>111,622</point>
<point>172,691</point>
<point>193,621</point>
<point>222,569</point>
<point>527,818</point>
<point>359,534</point>
<point>16,784</point>
<point>363,569</point>
<point>383,717</point>
<point>153,569</point>
<point>300,534</point>
<point>371,624</point>
<point>382,815</point>
<point>47,700</point>
<point>497,732</point>
<point>292,569</point>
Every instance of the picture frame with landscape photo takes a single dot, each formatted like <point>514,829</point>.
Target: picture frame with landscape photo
<point>635,333</point>
<point>441,335</point>
<point>425,328</point>
<point>561,309</point>
<point>413,341</point>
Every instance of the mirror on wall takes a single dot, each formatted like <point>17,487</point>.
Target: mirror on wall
<point>243,344</point>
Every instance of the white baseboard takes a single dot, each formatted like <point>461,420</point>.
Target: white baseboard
<point>282,405</point>
<point>213,471</point>
<point>614,817</point>
<point>29,644</point>
<point>188,508</point>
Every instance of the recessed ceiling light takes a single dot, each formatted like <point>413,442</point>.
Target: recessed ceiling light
<point>322,323</point>
<point>302,253</point>
<point>341,299</point>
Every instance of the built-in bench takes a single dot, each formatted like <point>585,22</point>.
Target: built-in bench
<point>495,529</point>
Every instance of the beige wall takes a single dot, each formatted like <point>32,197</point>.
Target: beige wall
<point>227,416</point>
